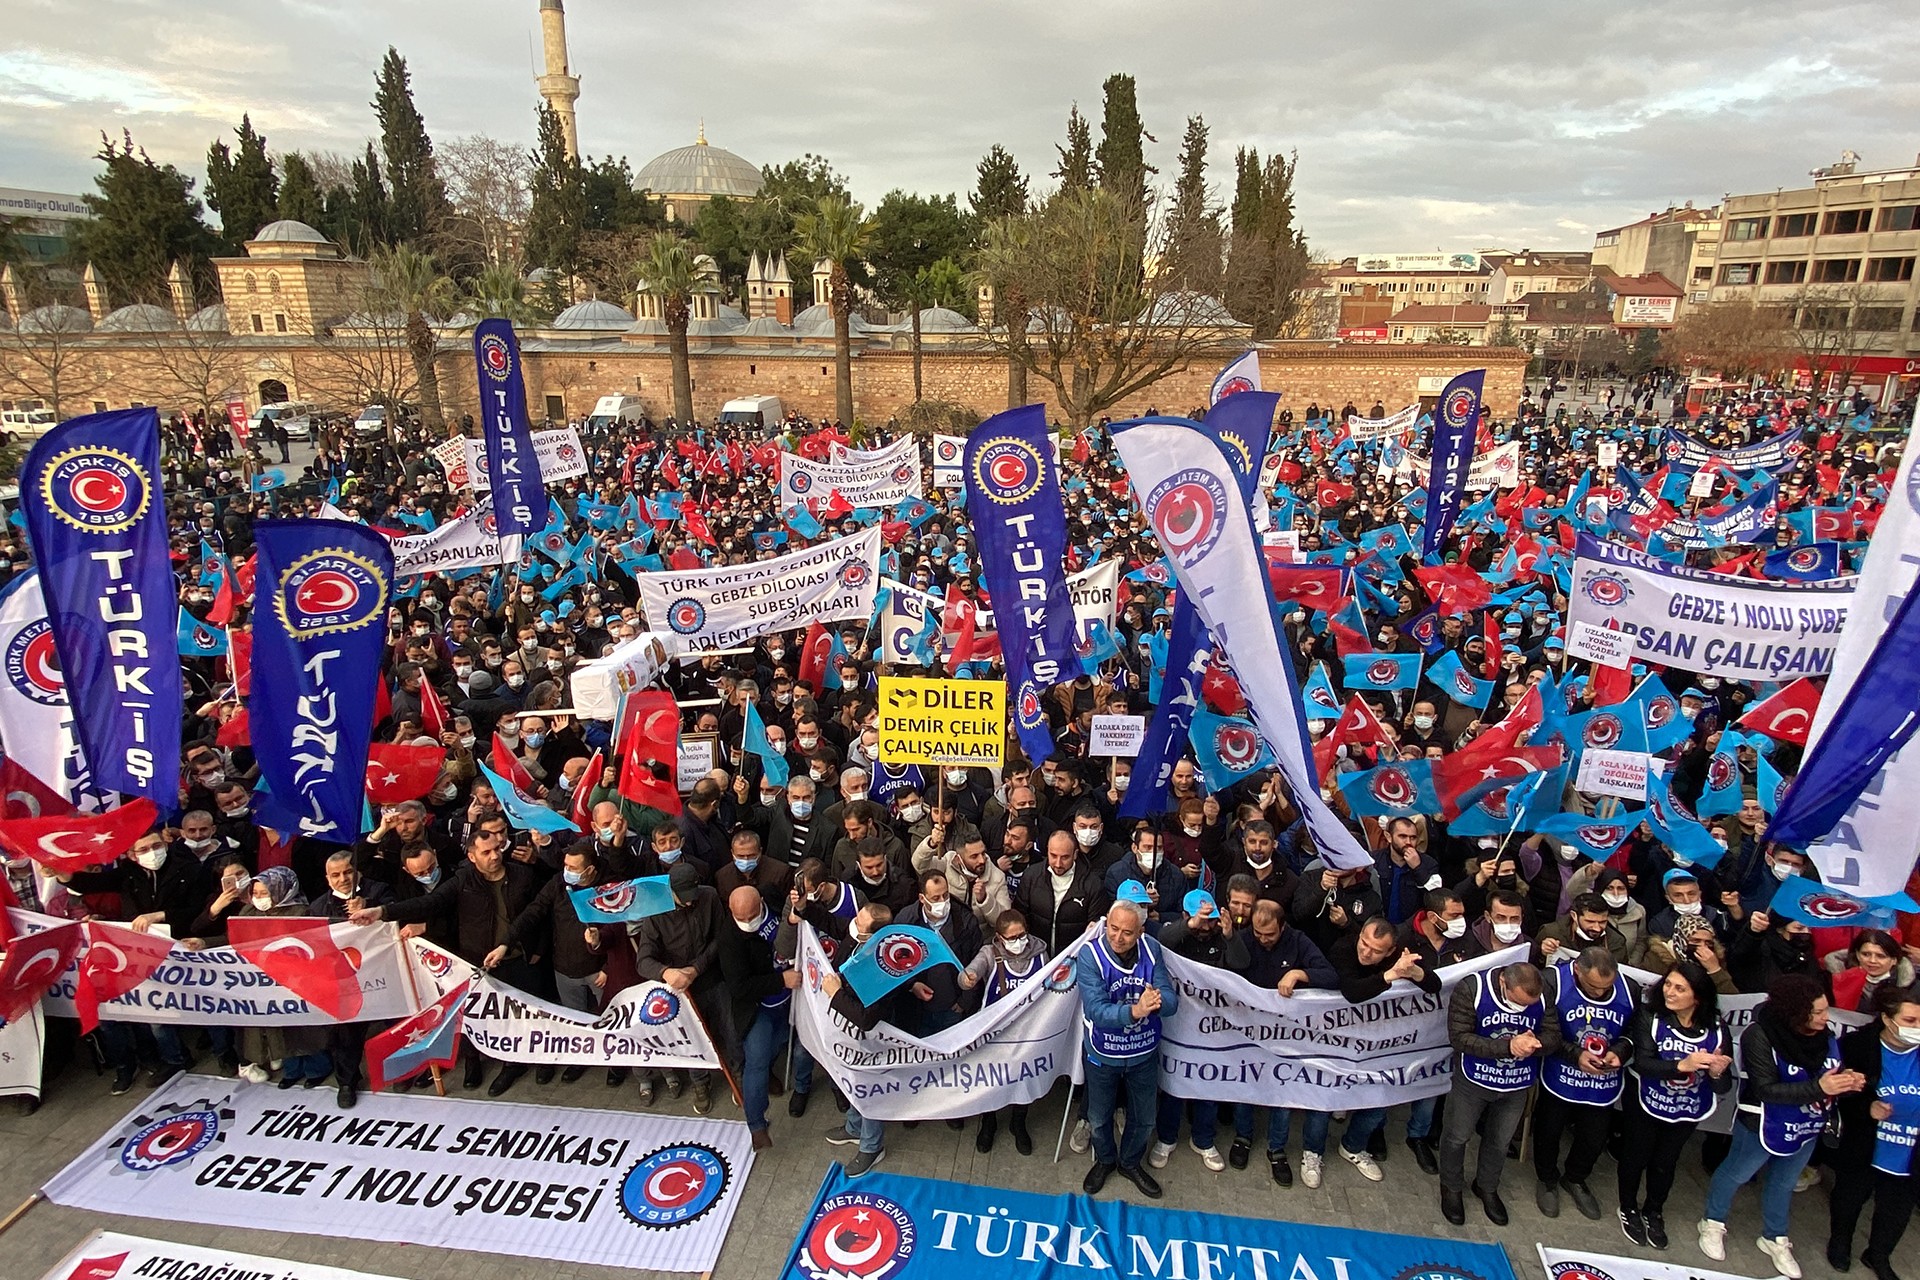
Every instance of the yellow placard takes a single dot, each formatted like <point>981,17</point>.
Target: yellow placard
<point>926,721</point>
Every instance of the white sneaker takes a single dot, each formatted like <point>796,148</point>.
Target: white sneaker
<point>1364,1163</point>
<point>1157,1154</point>
<point>1713,1239</point>
<point>1309,1169</point>
<point>1809,1179</point>
<point>253,1074</point>
<point>1780,1252</point>
<point>1081,1139</point>
<point>1209,1156</point>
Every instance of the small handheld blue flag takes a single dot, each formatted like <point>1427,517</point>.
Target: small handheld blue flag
<point>895,954</point>
<point>524,814</point>
<point>623,901</point>
<point>754,740</point>
<point>1378,672</point>
<point>1825,907</point>
<point>1227,748</point>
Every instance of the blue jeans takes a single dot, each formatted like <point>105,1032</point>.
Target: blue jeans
<point>802,1081</point>
<point>871,1133</point>
<point>765,1039</point>
<point>1138,1084</point>
<point>1746,1160</point>
<point>308,1066</point>
<point>1361,1126</point>
<point>1206,1120</point>
<point>1420,1117</point>
<point>123,1043</point>
<point>1279,1124</point>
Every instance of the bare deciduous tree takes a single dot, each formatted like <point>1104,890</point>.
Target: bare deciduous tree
<point>487,186</point>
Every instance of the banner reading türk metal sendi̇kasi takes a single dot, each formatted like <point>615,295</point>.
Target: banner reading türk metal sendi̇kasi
<point>720,608</point>
<point>1708,623</point>
<point>928,721</point>
<point>862,484</point>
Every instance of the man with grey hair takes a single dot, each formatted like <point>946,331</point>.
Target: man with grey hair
<point>1124,988</point>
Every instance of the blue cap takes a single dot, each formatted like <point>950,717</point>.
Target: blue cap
<point>1196,900</point>
<point>1678,873</point>
<point>1696,692</point>
<point>547,615</point>
<point>1134,891</point>
<point>566,607</point>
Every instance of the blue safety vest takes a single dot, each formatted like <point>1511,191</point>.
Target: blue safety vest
<point>768,928</point>
<point>1003,977</point>
<point>1496,1019</point>
<point>1785,1127</point>
<point>1893,1138</point>
<point>1585,1023</point>
<point>1685,1098</point>
<point>1124,986</point>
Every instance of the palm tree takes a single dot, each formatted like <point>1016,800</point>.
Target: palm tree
<point>670,272</point>
<point>836,233</point>
<point>998,267</point>
<point>410,285</point>
<point>500,290</point>
<point>943,284</point>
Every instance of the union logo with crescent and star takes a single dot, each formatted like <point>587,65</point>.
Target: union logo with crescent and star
<point>686,615</point>
<point>329,591</point>
<point>1008,470</point>
<point>32,665</point>
<point>96,490</point>
<point>899,955</point>
<point>1606,589</point>
<point>674,1186</point>
<point>173,1136</point>
<point>857,1236</point>
<point>496,357</point>
<point>659,1008</point>
<point>1188,512</point>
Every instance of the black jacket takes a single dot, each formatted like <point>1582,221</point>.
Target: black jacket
<point>549,926</point>
<point>1058,922</point>
<point>176,890</point>
<point>468,898</point>
<point>961,931</point>
<point>747,968</point>
<point>1860,1051</point>
<point>686,937</point>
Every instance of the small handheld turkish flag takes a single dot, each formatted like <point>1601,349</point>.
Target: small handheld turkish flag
<point>65,843</point>
<point>397,773</point>
<point>117,960</point>
<point>299,953</point>
<point>32,964</point>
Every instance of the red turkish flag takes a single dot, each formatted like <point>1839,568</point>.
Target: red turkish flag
<point>1358,724</point>
<point>1315,586</point>
<point>583,790</point>
<point>1220,690</point>
<point>236,731</point>
<point>1787,715</point>
<point>892,532</point>
<point>32,964</point>
<point>684,558</point>
<point>243,575</point>
<point>117,960</point>
<point>1610,684</point>
<point>64,843</point>
<point>508,766</point>
<point>433,712</point>
<point>24,796</point>
<point>240,660</point>
<point>736,457</point>
<point>1465,777</point>
<point>399,773</point>
<point>696,522</point>
<point>650,735</point>
<point>815,651</point>
<point>299,953</point>
<point>959,628</point>
<point>670,471</point>
<point>836,506</point>
<point>1331,493</point>
<point>1525,717</point>
<point>223,603</point>
<point>1454,588</point>
<point>767,455</point>
<point>1490,632</point>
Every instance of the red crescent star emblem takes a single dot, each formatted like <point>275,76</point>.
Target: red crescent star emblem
<point>98,489</point>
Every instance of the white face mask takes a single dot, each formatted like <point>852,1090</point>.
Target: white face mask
<point>1455,928</point>
<point>1909,1035</point>
<point>912,812</point>
<point>1192,833</point>
<point>1088,837</point>
<point>1507,932</point>
<point>938,911</point>
<point>753,925</point>
<point>1120,782</point>
<point>262,902</point>
<point>1686,908</point>
<point>152,859</point>
<point>1423,723</point>
<point>1147,859</point>
<point>1018,946</point>
<point>1615,899</point>
<point>1780,870</point>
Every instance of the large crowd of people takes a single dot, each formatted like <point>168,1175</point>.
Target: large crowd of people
<point>1012,865</point>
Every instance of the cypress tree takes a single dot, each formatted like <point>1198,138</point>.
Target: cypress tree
<point>1076,158</point>
<point>144,218</point>
<point>1000,189</point>
<point>300,197</point>
<point>419,198</point>
<point>1122,159</point>
<point>241,185</point>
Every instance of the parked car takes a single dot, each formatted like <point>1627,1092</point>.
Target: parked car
<point>17,426</point>
<point>294,417</point>
<point>372,421</point>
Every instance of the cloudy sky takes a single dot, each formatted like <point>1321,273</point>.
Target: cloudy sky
<point>1419,126</point>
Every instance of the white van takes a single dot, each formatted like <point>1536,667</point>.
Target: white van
<point>764,412</point>
<point>26,423</point>
<point>293,417</point>
<point>610,411</point>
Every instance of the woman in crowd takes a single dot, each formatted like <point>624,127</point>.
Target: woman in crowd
<point>301,1051</point>
<point>1009,958</point>
<point>1872,960</point>
<point>1790,1073</point>
<point>1681,1062</point>
<point>1877,1134</point>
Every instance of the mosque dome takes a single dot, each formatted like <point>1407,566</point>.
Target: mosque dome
<point>943,320</point>
<point>702,170</point>
<point>57,318</point>
<point>593,314</point>
<point>290,231</point>
<point>211,319</point>
<point>141,317</point>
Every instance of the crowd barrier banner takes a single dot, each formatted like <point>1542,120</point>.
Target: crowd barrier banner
<point>721,608</point>
<point>1576,1264</point>
<point>22,1043</point>
<point>216,988</point>
<point>1361,428</point>
<point>559,452</point>
<point>649,1025</point>
<point>110,1255</point>
<point>886,1226</point>
<point>613,1188</point>
<point>1012,1051</point>
<point>472,541</point>
<point>803,481</point>
<point>905,449</point>
<point>1708,623</point>
<point>1230,1041</point>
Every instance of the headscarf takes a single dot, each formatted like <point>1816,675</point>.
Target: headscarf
<point>283,885</point>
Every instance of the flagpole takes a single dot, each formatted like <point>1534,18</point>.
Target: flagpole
<point>413,989</point>
<point>1066,1118</point>
<point>21,1212</point>
<point>719,1053</point>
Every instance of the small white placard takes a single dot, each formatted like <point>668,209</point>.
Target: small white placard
<point>1117,736</point>
<point>1613,773</point>
<point>1602,646</point>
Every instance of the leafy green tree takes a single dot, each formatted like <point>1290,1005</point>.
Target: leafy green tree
<point>907,235</point>
<point>1076,158</point>
<point>614,203</point>
<point>144,218</point>
<point>1121,160</point>
<point>410,285</point>
<point>1000,189</point>
<point>1267,262</point>
<point>419,197</point>
<point>557,215</point>
<point>241,186</point>
<point>366,213</point>
<point>500,289</point>
<point>1005,245</point>
<point>300,196</point>
<point>1195,240</point>
<point>720,228</point>
<point>836,232</point>
<point>670,272</point>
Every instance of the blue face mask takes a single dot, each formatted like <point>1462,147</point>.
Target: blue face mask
<point>430,879</point>
<point>746,866</point>
<point>574,877</point>
<point>671,856</point>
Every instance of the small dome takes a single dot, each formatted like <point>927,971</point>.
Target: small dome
<point>732,313</point>
<point>766,327</point>
<point>211,319</point>
<point>56,319</point>
<point>648,326</point>
<point>726,323</point>
<point>943,320</point>
<point>699,170</point>
<point>289,231</point>
<point>539,275</point>
<point>593,314</point>
<point>1183,306</point>
<point>141,317</point>
<point>817,322</point>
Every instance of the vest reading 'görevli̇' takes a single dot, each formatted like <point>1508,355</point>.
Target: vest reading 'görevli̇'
<point>1785,1127</point>
<point>1496,1019</point>
<point>1688,1097</point>
<point>1585,1024</point>
<point>1124,985</point>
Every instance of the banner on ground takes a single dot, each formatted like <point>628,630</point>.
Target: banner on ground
<point>1019,518</point>
<point>559,452</point>
<point>1577,1264</point>
<point>1682,451</point>
<point>111,1255</point>
<point>521,492</point>
<point>929,721</point>
<point>887,1226</point>
<point>1009,1052</point>
<point>946,461</point>
<point>721,608</point>
<point>1708,623</point>
<point>216,987</point>
<point>647,1025</point>
<point>97,522</point>
<point>471,541</point>
<point>23,1043</point>
<point>1361,428</point>
<point>1864,852</point>
<point>1231,1041</point>
<point>803,481</point>
<point>37,729</point>
<point>559,1183</point>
